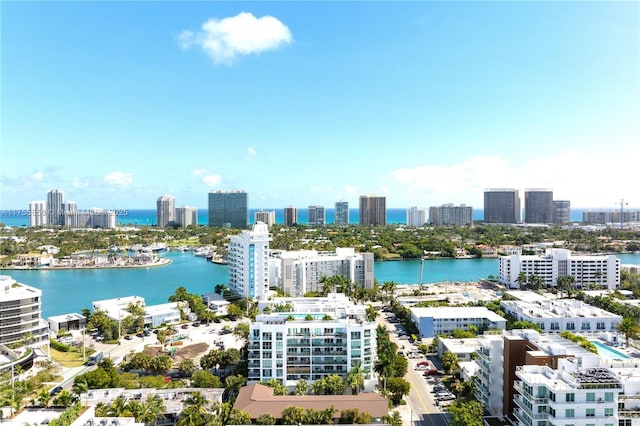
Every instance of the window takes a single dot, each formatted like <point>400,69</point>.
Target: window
<point>571,325</point>
<point>600,325</point>
<point>591,396</point>
<point>569,413</point>
<point>608,396</point>
<point>591,412</point>
<point>586,326</point>
<point>608,412</point>
<point>570,397</point>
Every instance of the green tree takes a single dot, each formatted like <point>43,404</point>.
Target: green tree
<point>205,379</point>
<point>354,416</point>
<point>302,387</point>
<point>449,362</point>
<point>393,419</point>
<point>467,413</point>
<point>398,387</point>
<point>292,416</point>
<point>186,367</point>
<point>355,378</point>
<point>629,327</point>
<point>266,419</point>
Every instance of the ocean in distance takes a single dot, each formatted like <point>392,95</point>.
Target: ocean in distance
<point>65,291</point>
<point>147,217</point>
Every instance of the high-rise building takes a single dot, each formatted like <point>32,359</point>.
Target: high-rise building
<point>416,216</point>
<point>302,271</point>
<point>248,261</point>
<point>290,216</point>
<point>448,214</point>
<point>561,211</point>
<point>165,210</point>
<point>316,216</point>
<point>502,206</point>
<point>71,216</point>
<point>229,209</point>
<point>373,210</point>
<point>342,213</point>
<point>265,217</point>
<point>21,312</point>
<point>38,213</point>
<point>538,206</point>
<point>55,204</point>
<point>186,216</point>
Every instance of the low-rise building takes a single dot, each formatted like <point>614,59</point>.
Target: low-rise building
<point>302,271</point>
<point>67,322</point>
<point>463,348</point>
<point>556,316</point>
<point>154,315</point>
<point>257,399</point>
<point>445,319</point>
<point>601,270</point>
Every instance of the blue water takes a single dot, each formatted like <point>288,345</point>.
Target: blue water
<point>67,291</point>
<point>147,217</point>
<point>609,352</point>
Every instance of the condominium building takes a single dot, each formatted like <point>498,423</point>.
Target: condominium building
<point>55,204</point>
<point>229,209</point>
<point>373,210</point>
<point>316,216</point>
<point>445,319</point>
<point>302,271</point>
<point>448,214</point>
<point>21,313</point>
<point>342,213</point>
<point>610,216</point>
<point>500,356</point>
<point>561,211</point>
<point>70,215</point>
<point>313,339</point>
<point>568,395</point>
<point>269,218</point>
<point>290,216</point>
<point>165,210</point>
<point>186,216</point>
<point>38,213</point>
<point>248,262</point>
<point>416,216</point>
<point>600,270</point>
<point>538,206</point>
<point>502,206</point>
<point>558,315</point>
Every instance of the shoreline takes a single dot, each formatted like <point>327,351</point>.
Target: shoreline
<point>162,262</point>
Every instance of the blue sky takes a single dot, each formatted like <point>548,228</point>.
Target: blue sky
<point>117,103</point>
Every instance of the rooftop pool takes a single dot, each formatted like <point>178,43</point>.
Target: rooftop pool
<point>608,352</point>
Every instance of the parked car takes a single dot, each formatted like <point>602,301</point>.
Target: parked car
<point>445,396</point>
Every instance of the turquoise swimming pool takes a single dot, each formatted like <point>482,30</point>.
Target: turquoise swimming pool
<point>608,351</point>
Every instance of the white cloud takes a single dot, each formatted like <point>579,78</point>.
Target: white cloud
<point>572,175</point>
<point>37,175</point>
<point>251,152</point>
<point>119,178</point>
<point>224,40</point>
<point>208,178</point>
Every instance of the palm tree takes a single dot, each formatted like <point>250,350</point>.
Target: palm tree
<point>64,398</point>
<point>118,408</point>
<point>383,368</point>
<point>197,401</point>
<point>355,378</point>
<point>81,387</point>
<point>629,327</point>
<point>449,362</point>
<point>44,397</point>
<point>302,387</point>
<point>522,279</point>
<point>154,408</point>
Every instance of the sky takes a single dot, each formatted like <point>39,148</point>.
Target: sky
<point>301,103</point>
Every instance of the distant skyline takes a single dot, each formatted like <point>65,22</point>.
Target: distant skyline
<point>305,103</point>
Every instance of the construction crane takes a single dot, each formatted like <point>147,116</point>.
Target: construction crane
<point>622,204</point>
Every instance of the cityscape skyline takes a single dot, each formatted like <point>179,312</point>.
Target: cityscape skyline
<point>119,102</point>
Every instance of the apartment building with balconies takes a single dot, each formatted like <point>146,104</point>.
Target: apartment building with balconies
<point>311,341</point>
<point>21,313</point>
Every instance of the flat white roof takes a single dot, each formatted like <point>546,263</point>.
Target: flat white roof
<point>443,312</point>
<point>66,317</point>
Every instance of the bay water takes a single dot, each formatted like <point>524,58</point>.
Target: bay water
<point>65,291</point>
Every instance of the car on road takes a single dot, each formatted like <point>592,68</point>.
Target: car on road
<point>140,335</point>
<point>445,396</point>
<point>439,388</point>
<point>128,337</point>
<point>56,390</point>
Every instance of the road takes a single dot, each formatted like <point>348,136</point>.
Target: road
<point>423,411</point>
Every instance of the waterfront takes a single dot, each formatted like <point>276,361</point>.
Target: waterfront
<point>67,291</point>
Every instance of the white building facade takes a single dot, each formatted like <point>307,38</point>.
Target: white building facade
<point>602,270</point>
<point>248,261</point>
<point>445,319</point>
<point>21,313</point>
<point>38,213</point>
<point>301,271</point>
<point>416,216</point>
<point>186,216</point>
<point>321,338</point>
